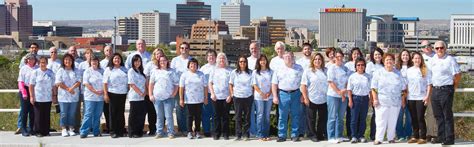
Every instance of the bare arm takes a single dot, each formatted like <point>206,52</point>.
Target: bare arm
<point>457,78</point>
<point>304,92</point>
<point>275,93</point>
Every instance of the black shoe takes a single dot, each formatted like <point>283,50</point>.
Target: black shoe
<point>83,136</point>
<point>238,138</point>
<point>281,140</point>
<point>18,131</point>
<point>448,143</point>
<point>207,134</point>
<point>39,135</point>
<point>226,137</point>
<point>295,139</point>
<point>114,136</point>
<point>26,134</point>
<point>152,133</point>
<point>216,137</point>
<point>314,139</point>
<point>435,141</point>
<point>135,136</point>
<point>52,130</point>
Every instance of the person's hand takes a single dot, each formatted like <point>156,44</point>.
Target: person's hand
<point>55,101</point>
<point>152,99</point>
<point>267,96</point>
<point>99,92</point>
<point>181,103</point>
<point>426,101</point>
<point>213,97</point>
<point>306,102</point>
<point>350,104</point>
<point>142,94</point>
<point>262,95</point>
<point>275,100</point>
<point>342,93</point>
<point>343,98</point>
<point>376,103</point>
<point>228,99</point>
<point>106,98</point>
<point>71,90</point>
<point>32,101</point>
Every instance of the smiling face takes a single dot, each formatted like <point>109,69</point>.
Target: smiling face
<point>43,63</point>
<point>68,62</point>
<point>378,57</point>
<point>141,45</point>
<point>318,62</point>
<point>193,67</point>
<point>222,61</point>
<point>184,49</point>
<point>388,62</point>
<point>137,63</point>
<point>339,58</point>
<point>440,48</point>
<point>163,63</point>
<point>95,64</point>
<point>211,58</point>
<point>416,60</point>
<point>307,51</point>
<point>116,61</point>
<point>242,63</point>
<point>360,67</point>
<point>254,50</point>
<point>355,54</point>
<point>405,57</point>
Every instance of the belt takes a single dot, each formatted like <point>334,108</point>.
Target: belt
<point>289,91</point>
<point>443,87</point>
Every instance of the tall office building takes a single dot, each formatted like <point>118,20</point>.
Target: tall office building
<point>342,27</point>
<point>17,20</point>
<point>276,28</point>
<point>187,14</point>
<point>204,28</point>
<point>235,14</point>
<point>461,32</point>
<point>128,27</point>
<point>154,27</point>
<point>387,31</point>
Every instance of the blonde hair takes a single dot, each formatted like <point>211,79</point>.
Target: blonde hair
<point>423,68</point>
<point>90,51</point>
<point>153,58</point>
<point>225,58</point>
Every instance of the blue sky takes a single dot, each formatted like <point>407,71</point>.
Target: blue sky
<point>287,9</point>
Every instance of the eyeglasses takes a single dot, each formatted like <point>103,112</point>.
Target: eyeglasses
<point>184,48</point>
<point>54,52</point>
<point>360,65</point>
<point>438,48</point>
<point>425,46</point>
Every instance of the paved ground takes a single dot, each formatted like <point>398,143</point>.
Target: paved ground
<point>10,140</point>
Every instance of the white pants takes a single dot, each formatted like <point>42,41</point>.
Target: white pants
<point>386,119</point>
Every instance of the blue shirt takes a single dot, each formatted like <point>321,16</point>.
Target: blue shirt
<point>317,85</point>
<point>443,70</point>
<point>338,75</point>
<point>116,80</point>
<point>242,84</point>
<point>263,82</point>
<point>389,86</point>
<point>219,78</point>
<point>139,81</point>
<point>94,78</point>
<point>288,78</point>
<point>193,84</point>
<point>164,81</point>
<point>68,78</point>
<point>146,57</point>
<point>44,84</point>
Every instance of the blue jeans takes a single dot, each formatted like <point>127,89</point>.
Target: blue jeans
<point>253,122</point>
<point>360,107</point>
<point>336,110</point>
<point>303,127</point>
<point>207,116</point>
<point>91,120</point>
<point>164,111</point>
<point>20,115</point>
<point>263,118</point>
<point>181,114</point>
<point>289,104</point>
<point>404,127</point>
<point>67,114</point>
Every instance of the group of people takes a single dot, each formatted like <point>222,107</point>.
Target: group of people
<point>314,93</point>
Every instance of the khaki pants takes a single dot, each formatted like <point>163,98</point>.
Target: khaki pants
<point>431,128</point>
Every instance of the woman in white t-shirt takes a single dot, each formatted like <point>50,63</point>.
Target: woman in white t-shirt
<point>193,93</point>
<point>419,93</point>
<point>358,89</point>
<point>220,96</point>
<point>261,80</point>
<point>136,96</point>
<point>93,98</point>
<point>404,130</point>
<point>374,64</point>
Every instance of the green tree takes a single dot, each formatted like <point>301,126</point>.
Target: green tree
<point>268,51</point>
<point>132,47</point>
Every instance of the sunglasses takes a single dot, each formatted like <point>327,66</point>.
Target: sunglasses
<point>438,48</point>
<point>54,52</point>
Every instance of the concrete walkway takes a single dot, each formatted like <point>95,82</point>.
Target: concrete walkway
<point>7,139</point>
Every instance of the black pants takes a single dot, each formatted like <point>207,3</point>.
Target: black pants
<point>348,122</point>
<point>417,112</point>
<point>116,113</point>
<point>150,110</point>
<point>442,103</point>
<point>42,118</point>
<point>221,118</point>
<point>28,115</point>
<point>319,111</point>
<point>372,125</point>
<point>106,115</point>
<point>242,109</point>
<point>194,114</point>
<point>136,118</point>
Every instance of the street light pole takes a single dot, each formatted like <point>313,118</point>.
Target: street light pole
<point>115,33</point>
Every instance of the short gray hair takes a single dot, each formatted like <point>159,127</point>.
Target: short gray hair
<point>280,44</point>
<point>225,58</point>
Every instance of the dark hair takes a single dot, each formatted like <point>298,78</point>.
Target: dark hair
<point>400,62</point>
<point>247,70</point>
<point>211,51</point>
<point>140,67</point>
<point>193,60</point>
<point>359,60</point>
<point>43,58</point>
<point>72,61</point>
<point>34,44</point>
<point>307,44</point>
<point>258,67</point>
<point>355,49</point>
<point>329,50</point>
<point>372,54</point>
<point>110,65</point>
<point>339,52</point>
<point>94,58</point>
<point>422,67</point>
<point>185,43</point>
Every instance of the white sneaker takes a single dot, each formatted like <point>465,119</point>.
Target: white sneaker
<point>71,132</point>
<point>344,139</point>
<point>190,135</point>
<point>334,141</point>
<point>64,133</point>
<point>363,140</point>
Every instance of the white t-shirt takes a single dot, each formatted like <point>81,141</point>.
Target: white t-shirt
<point>316,84</point>
<point>44,83</point>
<point>427,58</point>
<point>69,78</point>
<point>304,62</point>
<point>193,84</point>
<point>371,68</point>
<point>148,68</point>
<point>206,70</point>
<point>94,78</point>
<point>242,83</point>
<point>277,63</point>
<point>180,65</point>
<point>252,62</point>
<point>417,84</point>
<point>287,78</point>
<point>443,70</point>
<point>263,82</point>
<point>116,80</point>
<point>338,75</point>
<point>103,63</point>
<point>165,81</point>
<point>25,74</point>
<point>389,86</point>
<point>219,78</point>
<point>350,65</point>
<point>139,81</point>
<point>359,84</point>
<point>54,65</point>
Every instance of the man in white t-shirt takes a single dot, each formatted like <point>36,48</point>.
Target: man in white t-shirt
<point>431,128</point>
<point>254,55</point>
<point>180,65</point>
<point>307,52</point>
<point>277,62</point>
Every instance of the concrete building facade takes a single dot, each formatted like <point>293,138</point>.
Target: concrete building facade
<point>342,26</point>
<point>235,14</point>
<point>189,13</point>
<point>154,27</point>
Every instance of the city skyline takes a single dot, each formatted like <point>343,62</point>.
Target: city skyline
<point>107,9</point>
